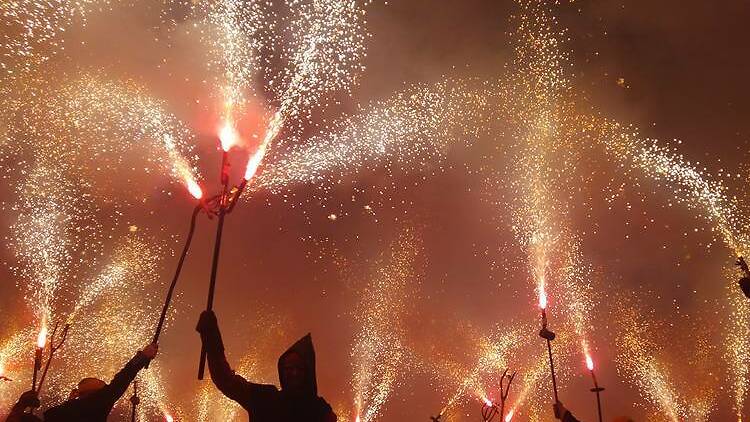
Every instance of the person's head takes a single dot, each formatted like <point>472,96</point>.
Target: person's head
<point>293,372</point>
<point>87,386</point>
<point>297,368</point>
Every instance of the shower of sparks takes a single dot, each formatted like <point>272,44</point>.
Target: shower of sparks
<point>378,348</point>
<point>50,226</point>
<point>131,258</point>
<point>239,33</point>
<point>738,347</point>
<point>412,129</point>
<point>108,331</point>
<point>638,361</point>
<point>33,33</point>
<point>496,355</point>
<point>693,186</point>
<point>128,119</point>
<point>531,377</point>
<point>325,58</point>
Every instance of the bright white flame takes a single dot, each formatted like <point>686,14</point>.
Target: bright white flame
<point>509,416</point>
<point>194,188</point>
<point>228,136</point>
<point>254,162</point>
<point>589,363</point>
<point>543,299</point>
<point>358,419</point>
<point>487,401</point>
<point>41,340</point>
<point>168,417</point>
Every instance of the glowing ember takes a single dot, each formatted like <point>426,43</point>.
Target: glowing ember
<point>194,188</point>
<point>228,137</point>
<point>543,299</point>
<point>41,339</point>
<point>589,363</point>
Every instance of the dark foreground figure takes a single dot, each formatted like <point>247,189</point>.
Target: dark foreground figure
<point>91,401</point>
<point>298,399</point>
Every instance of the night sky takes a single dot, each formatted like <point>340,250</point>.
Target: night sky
<point>675,69</point>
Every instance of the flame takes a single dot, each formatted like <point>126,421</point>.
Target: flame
<point>228,136</point>
<point>168,417</point>
<point>487,402</point>
<point>589,363</point>
<point>542,299</point>
<point>358,419</point>
<point>255,160</point>
<point>509,416</point>
<point>194,188</point>
<point>2,370</point>
<point>41,339</point>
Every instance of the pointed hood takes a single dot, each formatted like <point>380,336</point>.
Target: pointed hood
<point>305,350</point>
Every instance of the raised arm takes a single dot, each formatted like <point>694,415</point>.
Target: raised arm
<point>119,384</point>
<point>226,380</point>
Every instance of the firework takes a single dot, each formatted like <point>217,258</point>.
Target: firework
<point>638,361</point>
<point>378,348</point>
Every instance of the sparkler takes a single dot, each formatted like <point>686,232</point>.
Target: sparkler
<point>53,348</point>
<point>225,204</point>
<point>41,341</point>
<point>596,389</point>
<point>548,336</point>
<point>491,409</point>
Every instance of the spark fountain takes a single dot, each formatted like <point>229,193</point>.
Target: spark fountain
<point>378,348</point>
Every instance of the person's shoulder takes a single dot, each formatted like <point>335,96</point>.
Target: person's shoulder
<point>323,404</point>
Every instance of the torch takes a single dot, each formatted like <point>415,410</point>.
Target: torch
<point>548,336</point>
<point>596,389</point>
<point>53,348</point>
<point>745,280</point>
<point>41,341</point>
<point>226,201</point>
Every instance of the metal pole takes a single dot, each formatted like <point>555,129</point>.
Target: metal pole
<point>212,286</point>
<point>217,250</point>
<point>168,300</point>
<point>552,369</point>
<point>597,390</point>
<point>134,400</point>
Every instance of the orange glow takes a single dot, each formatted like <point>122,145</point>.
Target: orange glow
<point>254,162</point>
<point>509,416</point>
<point>589,363</point>
<point>543,299</point>
<point>41,339</point>
<point>194,188</point>
<point>228,137</point>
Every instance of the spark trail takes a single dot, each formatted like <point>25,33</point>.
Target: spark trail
<point>50,228</point>
<point>496,355</point>
<point>378,347</point>
<point>325,57</point>
<point>412,129</point>
<point>637,361</point>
